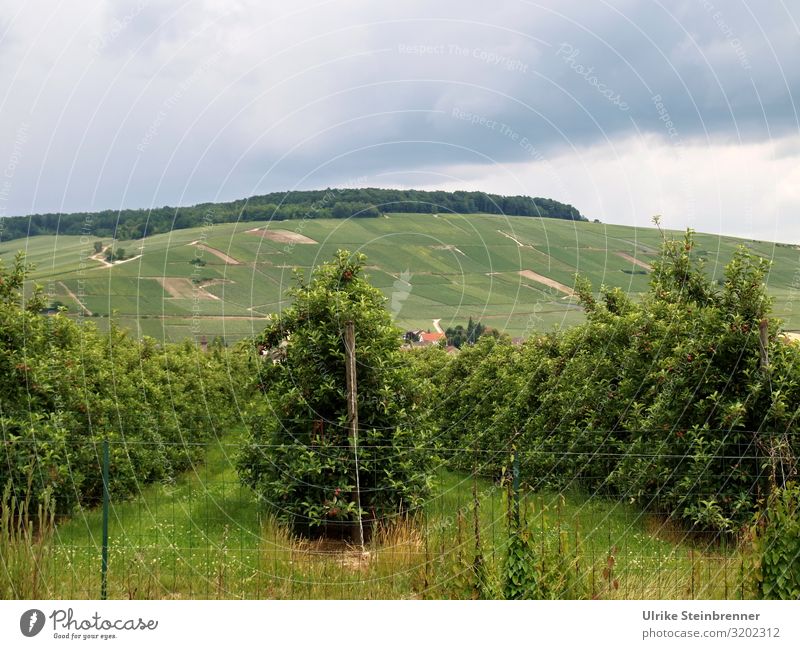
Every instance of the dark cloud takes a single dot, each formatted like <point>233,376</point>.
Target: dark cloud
<point>187,105</point>
<point>534,82</point>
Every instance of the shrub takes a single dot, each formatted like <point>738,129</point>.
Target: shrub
<point>541,563</point>
<point>65,387</point>
<point>685,402</point>
<point>299,458</point>
<point>776,546</point>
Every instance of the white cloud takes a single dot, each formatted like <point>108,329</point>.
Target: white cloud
<point>735,189</point>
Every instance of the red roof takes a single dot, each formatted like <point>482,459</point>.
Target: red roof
<point>434,337</point>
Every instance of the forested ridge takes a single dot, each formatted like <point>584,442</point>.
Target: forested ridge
<point>280,206</point>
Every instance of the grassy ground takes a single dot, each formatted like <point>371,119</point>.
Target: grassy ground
<point>204,537</point>
<point>457,267</point>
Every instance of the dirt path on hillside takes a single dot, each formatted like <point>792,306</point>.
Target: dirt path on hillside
<point>515,240</point>
<point>282,236</point>
<point>437,326</point>
<point>451,248</point>
<point>217,253</point>
<point>86,311</point>
<point>541,279</point>
<point>633,260</point>
<point>183,288</point>
<point>99,256</point>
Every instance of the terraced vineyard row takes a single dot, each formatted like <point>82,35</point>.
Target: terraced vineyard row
<point>513,273</point>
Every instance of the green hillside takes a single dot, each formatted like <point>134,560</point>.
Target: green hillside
<point>512,273</point>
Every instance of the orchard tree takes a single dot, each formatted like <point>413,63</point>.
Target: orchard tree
<point>685,401</point>
<point>115,254</point>
<point>711,404</point>
<point>691,393</point>
<point>301,457</point>
<point>65,387</point>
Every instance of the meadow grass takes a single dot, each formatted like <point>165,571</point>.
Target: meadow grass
<point>26,547</point>
<point>205,537</point>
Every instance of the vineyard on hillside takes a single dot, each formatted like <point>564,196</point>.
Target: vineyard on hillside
<point>514,274</point>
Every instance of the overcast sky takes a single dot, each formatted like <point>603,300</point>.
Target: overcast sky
<point>624,109</point>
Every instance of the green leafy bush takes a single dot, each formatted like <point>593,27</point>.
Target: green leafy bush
<point>299,458</point>
<point>777,546</point>
<point>672,401</point>
<point>65,387</point>
<point>536,569</point>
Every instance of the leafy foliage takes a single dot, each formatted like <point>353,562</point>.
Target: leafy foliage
<point>777,546</point>
<point>540,564</point>
<point>672,402</point>
<point>300,459</point>
<point>458,336</point>
<point>115,254</point>
<point>64,387</point>
<point>547,570</point>
<point>471,395</point>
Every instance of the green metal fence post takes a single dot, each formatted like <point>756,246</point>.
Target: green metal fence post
<point>104,567</point>
<point>515,488</point>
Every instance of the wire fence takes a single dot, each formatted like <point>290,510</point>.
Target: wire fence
<point>203,534</point>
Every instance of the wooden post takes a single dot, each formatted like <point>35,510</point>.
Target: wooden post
<point>352,389</point>
<point>352,413</point>
<point>763,340</point>
<point>106,501</point>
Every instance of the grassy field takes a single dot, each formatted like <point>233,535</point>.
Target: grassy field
<point>449,267</point>
<point>205,537</point>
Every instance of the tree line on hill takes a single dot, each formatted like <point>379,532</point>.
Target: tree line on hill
<point>279,206</point>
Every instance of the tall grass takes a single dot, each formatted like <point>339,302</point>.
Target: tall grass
<point>205,537</point>
<point>26,546</point>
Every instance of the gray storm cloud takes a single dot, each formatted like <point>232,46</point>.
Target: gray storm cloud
<point>146,103</point>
